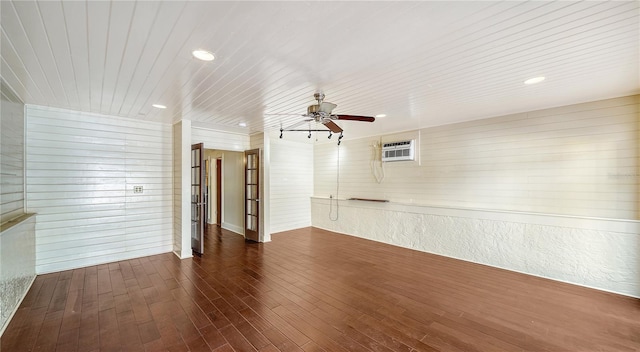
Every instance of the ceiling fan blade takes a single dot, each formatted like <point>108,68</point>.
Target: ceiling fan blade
<point>332,126</point>
<point>355,118</point>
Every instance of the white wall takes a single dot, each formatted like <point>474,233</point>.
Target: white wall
<point>213,139</point>
<point>574,160</point>
<point>11,154</point>
<point>552,193</point>
<point>81,169</point>
<point>182,186</point>
<point>291,184</point>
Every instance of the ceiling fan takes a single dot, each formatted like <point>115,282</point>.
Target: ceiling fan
<point>322,113</point>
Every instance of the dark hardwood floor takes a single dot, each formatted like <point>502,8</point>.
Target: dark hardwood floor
<point>313,290</point>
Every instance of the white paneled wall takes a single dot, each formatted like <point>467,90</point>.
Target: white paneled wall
<point>11,154</point>
<point>256,141</point>
<point>213,139</point>
<point>291,174</point>
<point>81,170</point>
<point>574,160</point>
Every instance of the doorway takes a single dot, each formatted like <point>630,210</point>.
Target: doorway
<point>225,189</point>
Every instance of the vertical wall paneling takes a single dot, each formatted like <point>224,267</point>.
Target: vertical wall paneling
<point>11,154</point>
<point>81,171</point>
<point>291,183</point>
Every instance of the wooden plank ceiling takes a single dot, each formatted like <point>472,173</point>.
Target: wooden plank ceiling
<point>420,63</point>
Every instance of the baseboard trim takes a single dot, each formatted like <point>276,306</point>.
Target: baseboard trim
<point>233,228</point>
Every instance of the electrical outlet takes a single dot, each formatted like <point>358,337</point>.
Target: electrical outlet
<point>137,189</point>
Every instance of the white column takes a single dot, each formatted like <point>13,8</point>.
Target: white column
<point>182,188</point>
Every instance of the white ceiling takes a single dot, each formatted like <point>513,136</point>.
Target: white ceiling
<point>421,63</point>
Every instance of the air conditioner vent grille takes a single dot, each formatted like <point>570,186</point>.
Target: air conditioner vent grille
<point>398,151</point>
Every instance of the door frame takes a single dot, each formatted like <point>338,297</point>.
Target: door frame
<point>198,205</point>
<point>219,191</point>
<point>252,185</point>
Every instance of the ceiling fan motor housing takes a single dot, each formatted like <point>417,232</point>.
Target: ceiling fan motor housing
<point>324,108</point>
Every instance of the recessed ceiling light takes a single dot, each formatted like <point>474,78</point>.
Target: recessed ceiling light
<point>203,55</point>
<point>159,106</point>
<point>242,124</point>
<point>381,115</point>
<point>534,80</point>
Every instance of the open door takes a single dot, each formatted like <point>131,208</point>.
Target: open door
<point>219,192</point>
<point>197,199</point>
<point>252,194</point>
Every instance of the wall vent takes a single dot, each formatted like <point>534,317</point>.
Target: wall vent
<point>398,151</point>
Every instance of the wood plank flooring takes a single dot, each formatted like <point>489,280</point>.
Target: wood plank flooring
<point>313,290</point>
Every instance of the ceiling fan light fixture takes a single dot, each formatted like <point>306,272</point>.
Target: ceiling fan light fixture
<point>242,124</point>
<point>381,115</point>
<point>159,106</point>
<point>534,80</point>
<point>203,55</point>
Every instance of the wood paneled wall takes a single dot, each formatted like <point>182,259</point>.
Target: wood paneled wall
<point>213,139</point>
<point>11,154</point>
<point>578,160</point>
<point>81,170</point>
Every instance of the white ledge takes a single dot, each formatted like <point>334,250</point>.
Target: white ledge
<point>5,226</point>
<point>574,221</point>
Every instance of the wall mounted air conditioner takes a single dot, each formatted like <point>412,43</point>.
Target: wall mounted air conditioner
<point>398,151</point>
